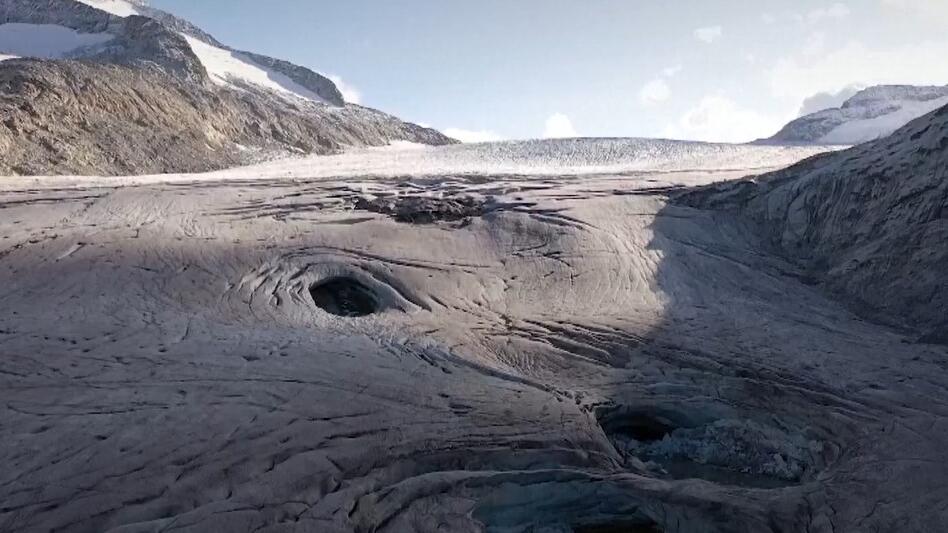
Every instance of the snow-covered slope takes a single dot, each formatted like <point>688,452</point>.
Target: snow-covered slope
<point>869,129</point>
<point>224,65</point>
<point>227,67</point>
<point>871,114</point>
<point>118,8</point>
<point>47,41</point>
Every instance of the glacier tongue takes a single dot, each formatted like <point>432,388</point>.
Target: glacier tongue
<point>331,347</point>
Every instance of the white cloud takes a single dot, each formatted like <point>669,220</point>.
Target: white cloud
<point>826,100</point>
<point>559,126</point>
<point>795,78</point>
<point>349,93</point>
<point>719,119</point>
<point>768,18</point>
<point>470,136</point>
<point>654,92</point>
<point>709,34</point>
<point>835,11</point>
<point>657,90</point>
<point>935,11</point>
<point>815,43</point>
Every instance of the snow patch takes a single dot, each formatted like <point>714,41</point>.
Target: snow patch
<point>226,67</point>
<point>4,57</point>
<point>48,41</point>
<point>118,8</point>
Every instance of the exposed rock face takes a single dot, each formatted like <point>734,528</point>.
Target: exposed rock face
<point>870,223</point>
<point>870,114</point>
<point>174,23</point>
<point>68,13</point>
<point>145,44</point>
<point>319,84</point>
<point>313,81</point>
<point>143,103</point>
<point>85,118</point>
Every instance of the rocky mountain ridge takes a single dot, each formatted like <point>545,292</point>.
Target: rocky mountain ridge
<point>870,114</point>
<point>143,101</point>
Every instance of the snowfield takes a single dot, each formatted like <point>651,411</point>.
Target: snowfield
<point>118,8</point>
<point>46,41</point>
<point>679,162</point>
<point>233,68</point>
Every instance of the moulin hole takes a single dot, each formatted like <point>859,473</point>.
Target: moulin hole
<point>637,426</point>
<point>344,297</point>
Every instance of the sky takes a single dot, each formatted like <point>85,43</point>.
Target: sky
<point>726,70</point>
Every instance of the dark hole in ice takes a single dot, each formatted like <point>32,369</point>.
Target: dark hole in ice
<point>619,527</point>
<point>344,297</point>
<point>638,426</point>
<point>685,469</point>
<point>731,452</point>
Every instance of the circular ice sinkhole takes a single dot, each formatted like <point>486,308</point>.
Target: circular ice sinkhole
<point>344,297</point>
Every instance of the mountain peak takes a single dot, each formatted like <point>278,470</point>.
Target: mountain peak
<point>891,93</point>
<point>871,113</point>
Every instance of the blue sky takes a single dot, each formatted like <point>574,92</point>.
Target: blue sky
<point>697,69</point>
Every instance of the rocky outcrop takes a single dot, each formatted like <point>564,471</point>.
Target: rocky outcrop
<point>136,41</point>
<point>869,223</point>
<point>68,13</point>
<point>76,117</point>
<point>143,102</point>
<point>319,84</point>
<point>870,114</point>
<point>174,23</point>
<point>143,43</point>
